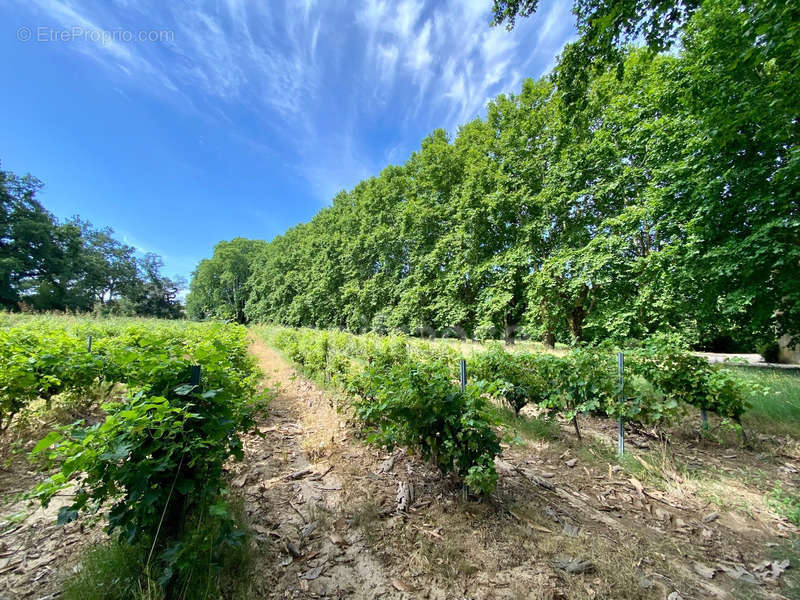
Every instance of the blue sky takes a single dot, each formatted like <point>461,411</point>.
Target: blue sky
<point>234,118</point>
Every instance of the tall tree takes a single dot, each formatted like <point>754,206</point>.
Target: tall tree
<point>26,236</point>
<point>660,196</point>
<point>50,265</point>
<point>220,284</point>
<point>605,28</point>
<point>156,295</point>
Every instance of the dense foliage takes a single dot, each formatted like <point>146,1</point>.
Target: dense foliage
<point>418,405</point>
<point>683,377</point>
<point>50,265</point>
<point>605,28</point>
<point>663,201</point>
<point>41,357</point>
<point>221,284</point>
<point>41,361</point>
<point>520,379</point>
<point>155,460</point>
<point>659,382</point>
<point>405,393</point>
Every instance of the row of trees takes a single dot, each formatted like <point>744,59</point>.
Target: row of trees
<point>46,264</point>
<point>657,192</point>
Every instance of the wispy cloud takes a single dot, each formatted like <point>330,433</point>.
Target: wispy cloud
<point>453,45</point>
<point>331,88</point>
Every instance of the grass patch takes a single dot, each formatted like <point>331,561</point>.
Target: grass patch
<point>446,560</point>
<point>531,428</point>
<point>469,348</point>
<point>321,515</point>
<point>619,572</point>
<point>656,468</point>
<point>366,516</point>
<point>113,571</point>
<point>116,570</point>
<point>597,451</point>
<point>790,580</point>
<point>775,406</point>
<point>785,503</point>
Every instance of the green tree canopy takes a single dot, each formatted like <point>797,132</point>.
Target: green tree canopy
<point>49,265</point>
<point>599,202</point>
<point>220,284</point>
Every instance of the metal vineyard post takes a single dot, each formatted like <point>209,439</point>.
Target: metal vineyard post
<point>621,427</point>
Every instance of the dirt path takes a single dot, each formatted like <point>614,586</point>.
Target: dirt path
<point>35,552</point>
<point>293,502</point>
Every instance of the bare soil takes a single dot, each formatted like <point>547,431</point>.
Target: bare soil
<point>35,553</point>
<point>303,545</point>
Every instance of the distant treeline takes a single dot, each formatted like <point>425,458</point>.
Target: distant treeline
<point>46,264</point>
<point>663,197</point>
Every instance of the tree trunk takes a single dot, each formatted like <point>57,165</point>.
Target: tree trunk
<point>577,315</point>
<point>575,322</point>
<point>549,340</point>
<point>508,331</point>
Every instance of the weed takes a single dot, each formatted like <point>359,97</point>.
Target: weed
<point>10,521</point>
<point>531,428</point>
<point>366,517</point>
<point>448,560</point>
<point>112,571</point>
<point>117,570</point>
<point>365,514</point>
<point>657,468</point>
<point>775,401</point>
<point>785,503</point>
<point>321,515</point>
<point>618,571</point>
<point>791,578</point>
<point>599,452</point>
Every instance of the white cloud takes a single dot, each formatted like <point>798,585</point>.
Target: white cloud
<point>104,50</point>
<point>315,38</point>
<point>419,56</point>
<point>452,45</point>
<point>312,83</point>
<point>408,13</point>
<point>554,17</point>
<point>373,14</point>
<point>387,61</point>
